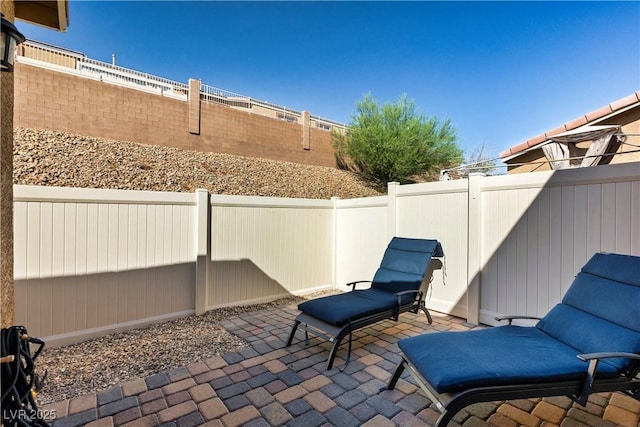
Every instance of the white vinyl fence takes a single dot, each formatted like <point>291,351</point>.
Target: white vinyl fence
<point>266,247</point>
<point>537,230</point>
<point>88,262</point>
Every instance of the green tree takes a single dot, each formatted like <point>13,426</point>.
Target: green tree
<point>392,142</point>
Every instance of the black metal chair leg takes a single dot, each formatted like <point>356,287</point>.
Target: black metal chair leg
<point>293,332</point>
<point>336,343</point>
<point>332,353</point>
<point>444,418</point>
<point>348,352</point>
<point>396,376</point>
<point>423,307</point>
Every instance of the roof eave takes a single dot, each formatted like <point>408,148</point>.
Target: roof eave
<point>53,14</point>
<point>506,157</point>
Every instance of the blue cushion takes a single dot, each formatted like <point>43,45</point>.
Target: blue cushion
<point>410,255</point>
<point>405,261</point>
<point>618,267</point>
<point>590,334</point>
<point>404,264</point>
<point>619,305</point>
<point>396,281</point>
<point>453,361</point>
<point>340,309</point>
<point>599,313</point>
<point>403,267</point>
<point>417,245</point>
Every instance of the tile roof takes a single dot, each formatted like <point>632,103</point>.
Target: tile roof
<point>573,124</point>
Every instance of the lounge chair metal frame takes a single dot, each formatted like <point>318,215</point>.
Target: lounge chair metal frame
<point>335,333</point>
<point>449,404</point>
<point>626,380</point>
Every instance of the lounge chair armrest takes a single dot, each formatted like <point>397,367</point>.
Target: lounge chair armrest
<point>510,319</point>
<point>594,359</point>
<point>353,284</point>
<point>410,291</point>
<point>400,294</point>
<point>607,355</point>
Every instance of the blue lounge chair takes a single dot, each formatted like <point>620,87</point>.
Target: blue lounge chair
<point>588,343</point>
<point>395,289</point>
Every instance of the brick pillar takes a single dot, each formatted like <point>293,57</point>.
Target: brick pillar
<point>7,298</point>
<point>306,130</point>
<point>194,106</point>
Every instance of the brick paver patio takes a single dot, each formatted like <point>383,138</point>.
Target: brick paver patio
<point>267,384</point>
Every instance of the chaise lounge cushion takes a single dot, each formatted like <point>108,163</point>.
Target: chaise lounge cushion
<point>592,322</point>
<point>340,309</point>
<point>587,333</point>
<point>599,313</point>
<point>619,275</point>
<point>504,355</point>
<point>617,267</point>
<point>403,265</point>
<point>402,268</point>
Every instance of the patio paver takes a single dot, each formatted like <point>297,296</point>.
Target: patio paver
<point>267,384</point>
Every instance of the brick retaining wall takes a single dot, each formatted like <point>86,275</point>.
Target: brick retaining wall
<point>48,99</point>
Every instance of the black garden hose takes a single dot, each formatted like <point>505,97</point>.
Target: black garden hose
<point>19,380</point>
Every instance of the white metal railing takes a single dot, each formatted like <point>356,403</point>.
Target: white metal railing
<point>137,79</point>
<point>220,96</point>
<point>119,74</point>
<point>61,59</point>
<point>326,124</point>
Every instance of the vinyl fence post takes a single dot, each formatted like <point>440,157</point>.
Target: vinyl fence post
<point>334,244</point>
<point>474,266</point>
<point>202,241</point>
<point>392,188</point>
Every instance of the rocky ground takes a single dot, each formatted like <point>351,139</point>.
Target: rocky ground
<point>101,363</point>
<point>42,157</point>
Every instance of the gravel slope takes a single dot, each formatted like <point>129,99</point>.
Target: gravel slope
<point>42,157</point>
<point>98,364</point>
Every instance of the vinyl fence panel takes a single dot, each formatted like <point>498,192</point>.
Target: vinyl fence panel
<point>362,235</point>
<point>263,247</point>
<point>539,229</point>
<point>68,231</point>
<point>91,261</point>
<point>439,211</point>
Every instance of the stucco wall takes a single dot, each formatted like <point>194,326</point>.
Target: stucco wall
<point>535,160</point>
<point>55,100</point>
<point>7,306</point>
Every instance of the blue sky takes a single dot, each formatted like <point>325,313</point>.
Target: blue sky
<point>502,72</point>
